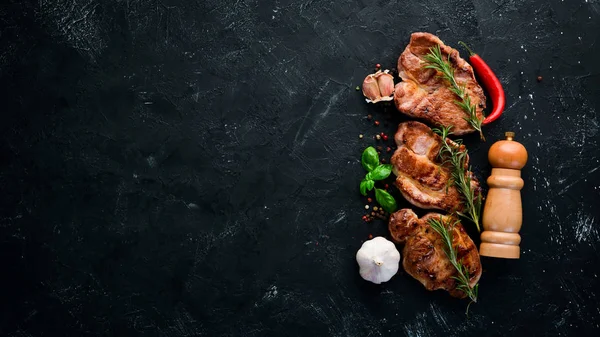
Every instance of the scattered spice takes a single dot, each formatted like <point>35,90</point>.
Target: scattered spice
<point>383,161</point>
<point>388,148</point>
<point>357,88</point>
<point>539,78</point>
<point>378,137</point>
<point>376,123</point>
<point>369,200</point>
<point>385,137</point>
<point>379,148</point>
<point>375,208</point>
<point>360,136</point>
<point>370,236</point>
<point>366,206</point>
<point>378,66</point>
<point>369,117</point>
<point>387,186</point>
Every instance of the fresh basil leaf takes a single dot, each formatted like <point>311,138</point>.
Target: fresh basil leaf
<point>366,185</point>
<point>386,200</point>
<point>369,159</point>
<point>380,172</point>
<point>363,187</point>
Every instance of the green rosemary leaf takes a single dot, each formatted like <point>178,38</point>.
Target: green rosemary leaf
<point>436,61</point>
<point>460,175</point>
<point>462,274</point>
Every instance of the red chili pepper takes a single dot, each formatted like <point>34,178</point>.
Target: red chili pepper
<point>490,82</point>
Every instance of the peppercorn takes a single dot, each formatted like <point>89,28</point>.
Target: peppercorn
<point>385,137</point>
<point>378,66</point>
<point>378,137</point>
<point>360,136</point>
<point>379,148</point>
<point>366,206</point>
<point>369,200</point>
<point>370,236</point>
<point>369,117</point>
<point>387,186</point>
<point>388,149</point>
<point>376,123</point>
<point>357,88</point>
<point>375,208</point>
<point>373,213</point>
<point>539,78</point>
<point>383,161</point>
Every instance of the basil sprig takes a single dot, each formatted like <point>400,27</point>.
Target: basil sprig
<point>376,171</point>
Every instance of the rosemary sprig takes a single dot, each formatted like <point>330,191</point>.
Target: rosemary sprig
<point>460,176</point>
<point>462,272</point>
<point>436,61</point>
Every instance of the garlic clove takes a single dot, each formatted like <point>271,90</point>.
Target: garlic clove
<point>386,85</point>
<point>370,88</point>
<point>378,87</point>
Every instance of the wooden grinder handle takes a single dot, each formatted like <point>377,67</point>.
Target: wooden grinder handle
<point>502,215</point>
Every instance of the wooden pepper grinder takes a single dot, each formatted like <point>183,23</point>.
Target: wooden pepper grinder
<point>503,214</point>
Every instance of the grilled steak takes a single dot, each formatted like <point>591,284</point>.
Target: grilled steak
<point>420,175</point>
<point>423,94</point>
<point>423,254</point>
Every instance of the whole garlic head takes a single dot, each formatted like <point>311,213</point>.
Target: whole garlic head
<point>378,87</point>
<point>378,260</point>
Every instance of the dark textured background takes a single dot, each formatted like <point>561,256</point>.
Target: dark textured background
<point>191,168</point>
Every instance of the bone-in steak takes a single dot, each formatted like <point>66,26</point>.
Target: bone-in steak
<point>423,253</point>
<point>423,94</point>
<point>421,176</point>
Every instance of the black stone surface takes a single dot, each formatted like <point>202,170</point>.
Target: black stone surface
<point>191,168</point>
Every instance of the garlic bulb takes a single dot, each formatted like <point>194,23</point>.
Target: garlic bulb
<point>378,87</point>
<point>378,260</point>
